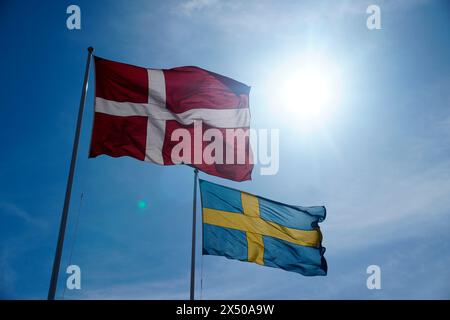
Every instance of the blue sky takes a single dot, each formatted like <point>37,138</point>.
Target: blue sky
<point>379,162</point>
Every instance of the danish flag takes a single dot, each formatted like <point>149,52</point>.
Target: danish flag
<point>137,110</point>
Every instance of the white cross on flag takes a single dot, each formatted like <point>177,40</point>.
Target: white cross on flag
<point>181,115</point>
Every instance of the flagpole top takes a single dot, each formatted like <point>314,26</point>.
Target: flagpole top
<point>91,49</point>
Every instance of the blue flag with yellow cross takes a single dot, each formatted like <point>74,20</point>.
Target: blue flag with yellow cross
<point>242,226</point>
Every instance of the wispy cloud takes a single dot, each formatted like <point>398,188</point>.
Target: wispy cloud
<point>8,275</point>
<point>144,290</point>
<point>190,6</point>
<point>258,14</point>
<point>15,211</point>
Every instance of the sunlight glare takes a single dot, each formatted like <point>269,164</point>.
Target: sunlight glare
<point>309,92</point>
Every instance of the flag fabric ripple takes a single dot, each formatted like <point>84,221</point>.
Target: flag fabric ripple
<point>137,111</point>
<point>242,226</point>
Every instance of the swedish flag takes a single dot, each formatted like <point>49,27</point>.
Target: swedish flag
<point>242,226</point>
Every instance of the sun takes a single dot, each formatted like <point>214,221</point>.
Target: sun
<point>308,92</point>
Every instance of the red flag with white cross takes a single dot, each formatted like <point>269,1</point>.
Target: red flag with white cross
<point>171,116</point>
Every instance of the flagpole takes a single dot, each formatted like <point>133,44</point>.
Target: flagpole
<point>194,222</point>
<point>62,227</point>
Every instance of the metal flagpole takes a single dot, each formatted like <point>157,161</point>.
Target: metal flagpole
<point>194,222</point>
<point>62,227</point>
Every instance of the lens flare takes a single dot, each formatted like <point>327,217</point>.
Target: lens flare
<point>142,204</point>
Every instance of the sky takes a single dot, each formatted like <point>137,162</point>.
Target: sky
<point>378,157</point>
